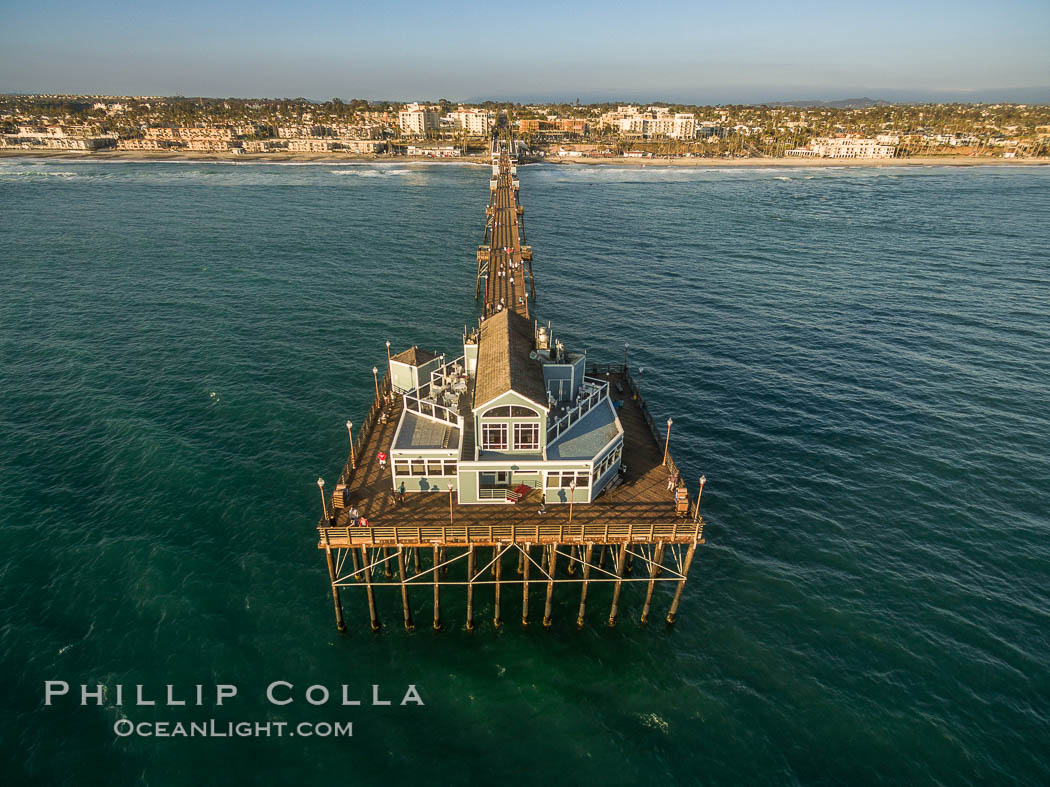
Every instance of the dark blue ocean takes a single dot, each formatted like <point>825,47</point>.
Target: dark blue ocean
<point>858,360</point>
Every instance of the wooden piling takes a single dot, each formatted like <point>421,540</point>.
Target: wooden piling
<point>409,625</point>
<point>470,588</point>
<point>437,592</point>
<point>340,624</point>
<point>654,568</point>
<point>373,617</point>
<point>525,588</point>
<point>388,571</point>
<point>416,559</point>
<point>497,570</point>
<point>681,583</point>
<point>621,560</point>
<point>521,560</point>
<point>571,568</point>
<point>583,589</point>
<point>551,565</point>
<point>357,567</point>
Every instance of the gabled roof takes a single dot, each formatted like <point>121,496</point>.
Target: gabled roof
<point>414,356</point>
<point>504,363</point>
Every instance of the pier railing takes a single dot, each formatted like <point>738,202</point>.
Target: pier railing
<point>599,389</point>
<point>679,531</point>
<point>364,431</point>
<point>647,416</point>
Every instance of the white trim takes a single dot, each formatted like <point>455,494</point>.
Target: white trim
<point>477,407</point>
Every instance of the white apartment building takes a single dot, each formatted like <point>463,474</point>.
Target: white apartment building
<point>844,147</point>
<point>474,121</point>
<point>655,122</point>
<point>418,120</point>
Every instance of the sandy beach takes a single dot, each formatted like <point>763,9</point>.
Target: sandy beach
<point>617,161</point>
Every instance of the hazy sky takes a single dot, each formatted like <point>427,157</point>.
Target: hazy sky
<point>399,49</point>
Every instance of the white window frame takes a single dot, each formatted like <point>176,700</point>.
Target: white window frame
<point>487,429</point>
<point>521,445</point>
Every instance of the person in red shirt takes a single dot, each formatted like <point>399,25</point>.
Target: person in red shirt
<point>382,460</point>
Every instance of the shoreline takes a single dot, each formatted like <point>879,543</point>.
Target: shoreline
<point>582,161</point>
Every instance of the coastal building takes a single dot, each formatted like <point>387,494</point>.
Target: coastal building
<point>445,151</point>
<point>475,122</point>
<point>629,121</point>
<point>143,144</point>
<point>515,412</point>
<point>417,120</point>
<point>843,147</point>
<point>38,138</point>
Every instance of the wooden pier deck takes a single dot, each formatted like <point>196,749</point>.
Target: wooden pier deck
<point>643,502</point>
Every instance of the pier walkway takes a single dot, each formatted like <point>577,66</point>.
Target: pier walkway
<point>504,260</point>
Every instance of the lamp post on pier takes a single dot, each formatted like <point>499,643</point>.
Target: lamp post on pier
<point>639,386</point>
<point>388,354</point>
<point>450,503</point>
<point>626,346</point>
<point>324,505</point>
<point>703,480</point>
<point>572,494</point>
<point>667,442</point>
<point>375,376</point>
<point>350,431</point>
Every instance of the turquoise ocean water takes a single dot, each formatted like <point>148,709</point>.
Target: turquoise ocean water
<point>858,359</point>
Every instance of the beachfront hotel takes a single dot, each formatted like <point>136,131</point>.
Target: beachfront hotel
<point>844,147</point>
<point>418,120</point>
<point>514,413</point>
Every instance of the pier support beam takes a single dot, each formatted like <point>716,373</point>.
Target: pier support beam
<point>681,583</point>
<point>525,588</point>
<point>621,560</point>
<point>340,624</point>
<point>357,567</point>
<point>571,568</point>
<point>497,572</point>
<point>409,625</point>
<point>521,560</point>
<point>654,569</point>
<point>416,559</point>
<point>583,589</point>
<point>550,586</point>
<point>470,588</point>
<point>373,617</point>
<point>388,570</point>
<point>437,592</point>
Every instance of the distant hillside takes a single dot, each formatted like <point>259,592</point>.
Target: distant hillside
<point>844,103</point>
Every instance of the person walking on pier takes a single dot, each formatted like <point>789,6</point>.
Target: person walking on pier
<point>401,493</point>
<point>382,459</point>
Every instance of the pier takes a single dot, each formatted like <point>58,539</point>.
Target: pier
<point>518,470</point>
